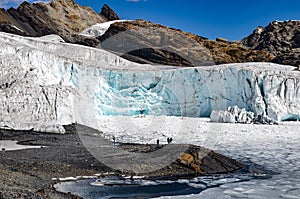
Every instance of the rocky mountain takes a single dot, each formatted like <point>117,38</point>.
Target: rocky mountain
<point>108,13</point>
<point>139,41</point>
<point>282,38</point>
<point>62,17</point>
<point>145,42</point>
<point>160,40</point>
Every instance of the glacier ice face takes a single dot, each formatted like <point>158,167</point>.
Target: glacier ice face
<point>46,84</point>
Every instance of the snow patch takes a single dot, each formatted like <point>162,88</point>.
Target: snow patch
<point>52,38</point>
<point>260,30</point>
<point>9,145</point>
<point>99,29</point>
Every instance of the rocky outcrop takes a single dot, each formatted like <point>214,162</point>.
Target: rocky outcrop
<point>145,42</point>
<point>196,161</point>
<point>62,17</point>
<point>280,38</point>
<point>108,13</point>
<point>289,58</point>
<point>168,46</point>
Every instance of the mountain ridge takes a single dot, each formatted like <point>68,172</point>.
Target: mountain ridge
<point>282,38</point>
<point>62,17</point>
<point>216,52</point>
<point>68,19</point>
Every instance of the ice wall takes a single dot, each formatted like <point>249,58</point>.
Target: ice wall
<point>263,88</point>
<point>45,85</point>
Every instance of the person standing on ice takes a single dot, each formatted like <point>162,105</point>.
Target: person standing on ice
<point>114,140</point>
<point>169,140</point>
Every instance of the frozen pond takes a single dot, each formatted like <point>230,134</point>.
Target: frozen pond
<point>274,148</point>
<point>125,187</point>
<point>9,145</point>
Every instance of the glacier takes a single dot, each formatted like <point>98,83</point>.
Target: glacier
<point>46,84</point>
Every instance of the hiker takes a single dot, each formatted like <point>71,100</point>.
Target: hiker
<point>157,142</point>
<point>114,139</point>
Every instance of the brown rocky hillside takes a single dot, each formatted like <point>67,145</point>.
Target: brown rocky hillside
<point>282,38</point>
<point>62,17</point>
<point>151,38</point>
<point>145,42</point>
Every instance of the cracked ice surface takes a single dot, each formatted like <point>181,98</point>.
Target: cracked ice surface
<point>47,84</point>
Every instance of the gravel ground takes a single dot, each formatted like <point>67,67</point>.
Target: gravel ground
<point>28,173</point>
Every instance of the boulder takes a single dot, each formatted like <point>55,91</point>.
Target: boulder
<point>222,40</point>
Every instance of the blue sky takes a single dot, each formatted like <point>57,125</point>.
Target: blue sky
<point>231,19</point>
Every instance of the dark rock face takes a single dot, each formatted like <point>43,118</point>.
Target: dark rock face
<point>150,56</point>
<point>280,38</point>
<point>108,13</point>
<point>62,17</point>
<point>290,58</point>
<point>145,42</point>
